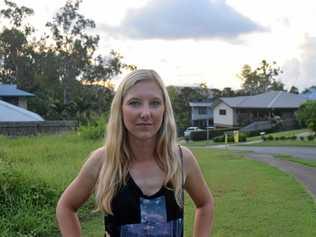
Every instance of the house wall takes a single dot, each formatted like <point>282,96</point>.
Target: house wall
<point>223,120</point>
<point>196,115</point>
<point>22,102</point>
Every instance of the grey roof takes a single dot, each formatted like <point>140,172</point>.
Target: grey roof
<point>200,104</point>
<point>12,113</point>
<point>11,90</point>
<point>271,99</point>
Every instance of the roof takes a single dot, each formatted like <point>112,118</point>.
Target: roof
<point>11,90</point>
<point>12,113</point>
<point>200,104</point>
<point>271,99</point>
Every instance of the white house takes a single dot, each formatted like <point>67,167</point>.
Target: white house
<point>243,110</point>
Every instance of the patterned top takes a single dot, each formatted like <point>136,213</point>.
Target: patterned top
<point>138,215</point>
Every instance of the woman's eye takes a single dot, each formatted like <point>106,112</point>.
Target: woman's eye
<point>134,103</point>
<point>156,103</point>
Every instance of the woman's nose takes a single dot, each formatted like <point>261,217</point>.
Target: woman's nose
<point>145,112</point>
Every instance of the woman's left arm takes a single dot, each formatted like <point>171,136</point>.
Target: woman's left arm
<point>197,189</point>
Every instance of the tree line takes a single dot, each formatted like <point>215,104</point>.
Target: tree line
<point>62,68</point>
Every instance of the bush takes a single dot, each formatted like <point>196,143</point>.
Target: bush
<point>293,137</point>
<point>302,138</point>
<point>310,137</point>
<point>270,138</point>
<point>94,130</point>
<point>201,135</point>
<point>27,206</point>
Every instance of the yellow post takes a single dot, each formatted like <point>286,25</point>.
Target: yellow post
<point>236,136</point>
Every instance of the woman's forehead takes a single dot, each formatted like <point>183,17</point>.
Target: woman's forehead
<point>146,88</point>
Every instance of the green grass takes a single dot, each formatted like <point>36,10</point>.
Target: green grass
<point>284,133</point>
<point>251,198</point>
<point>310,163</point>
<point>285,143</point>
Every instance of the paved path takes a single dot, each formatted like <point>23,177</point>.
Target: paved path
<point>305,175</point>
<point>306,153</point>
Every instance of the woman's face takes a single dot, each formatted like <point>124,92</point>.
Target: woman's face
<point>143,109</point>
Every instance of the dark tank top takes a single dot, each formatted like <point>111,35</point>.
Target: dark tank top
<point>138,215</point>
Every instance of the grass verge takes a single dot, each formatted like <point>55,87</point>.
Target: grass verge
<point>252,199</point>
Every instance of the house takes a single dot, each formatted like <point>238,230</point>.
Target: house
<point>13,105</point>
<point>201,114</point>
<point>243,110</point>
<point>12,113</point>
<point>11,94</point>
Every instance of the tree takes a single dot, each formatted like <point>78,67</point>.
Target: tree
<point>72,44</point>
<point>262,79</point>
<point>228,92</point>
<point>294,90</point>
<point>307,114</point>
<point>15,50</point>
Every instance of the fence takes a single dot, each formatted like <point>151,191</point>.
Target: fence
<point>14,129</point>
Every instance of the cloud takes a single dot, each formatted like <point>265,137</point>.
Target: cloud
<point>302,72</point>
<point>184,19</point>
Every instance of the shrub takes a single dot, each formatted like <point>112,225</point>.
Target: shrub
<point>283,138</point>
<point>302,138</point>
<point>310,137</point>
<point>94,130</point>
<point>293,137</point>
<point>270,138</point>
<point>27,205</point>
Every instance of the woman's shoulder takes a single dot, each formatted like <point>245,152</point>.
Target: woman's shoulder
<point>188,158</point>
<point>93,164</point>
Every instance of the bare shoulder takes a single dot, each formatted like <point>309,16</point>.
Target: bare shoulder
<point>94,163</point>
<point>189,160</point>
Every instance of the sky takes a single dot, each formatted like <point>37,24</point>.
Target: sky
<point>189,42</point>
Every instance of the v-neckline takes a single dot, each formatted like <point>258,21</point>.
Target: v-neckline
<point>140,191</point>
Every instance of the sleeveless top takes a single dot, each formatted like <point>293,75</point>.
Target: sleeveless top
<point>138,215</point>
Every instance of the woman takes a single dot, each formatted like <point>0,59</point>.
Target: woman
<point>140,173</point>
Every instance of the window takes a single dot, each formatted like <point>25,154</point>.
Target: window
<point>202,110</point>
<point>222,112</point>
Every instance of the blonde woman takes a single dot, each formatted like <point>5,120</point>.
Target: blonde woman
<point>140,174</point>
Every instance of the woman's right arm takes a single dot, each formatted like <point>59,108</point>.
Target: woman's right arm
<point>77,193</point>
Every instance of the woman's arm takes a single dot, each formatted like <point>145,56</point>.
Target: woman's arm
<point>197,188</point>
<point>76,194</point>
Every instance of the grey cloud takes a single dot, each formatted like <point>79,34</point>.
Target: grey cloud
<point>184,19</point>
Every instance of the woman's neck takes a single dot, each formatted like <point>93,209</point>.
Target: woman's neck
<point>142,149</point>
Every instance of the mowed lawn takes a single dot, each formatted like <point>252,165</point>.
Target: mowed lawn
<point>251,198</point>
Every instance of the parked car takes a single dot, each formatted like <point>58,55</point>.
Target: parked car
<point>188,131</point>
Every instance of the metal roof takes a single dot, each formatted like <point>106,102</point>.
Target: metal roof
<point>12,113</point>
<point>200,104</point>
<point>11,90</point>
<point>271,99</point>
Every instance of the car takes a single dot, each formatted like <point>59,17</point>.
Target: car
<point>188,131</point>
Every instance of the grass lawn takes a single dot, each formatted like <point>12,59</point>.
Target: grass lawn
<point>279,134</point>
<point>289,143</point>
<point>252,199</point>
<point>310,163</point>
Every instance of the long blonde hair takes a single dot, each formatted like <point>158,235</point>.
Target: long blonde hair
<point>113,173</point>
